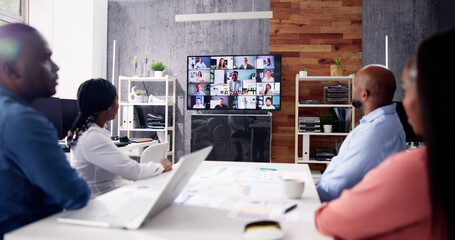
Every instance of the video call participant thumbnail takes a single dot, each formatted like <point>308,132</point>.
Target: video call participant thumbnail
<point>268,104</point>
<point>200,64</point>
<point>268,76</point>
<point>221,105</point>
<point>265,62</point>
<point>245,64</point>
<point>199,91</point>
<point>199,103</point>
<point>246,102</point>
<point>265,90</point>
<point>235,85</point>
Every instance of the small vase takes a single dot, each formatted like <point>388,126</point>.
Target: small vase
<point>336,70</point>
<point>138,99</point>
<point>303,73</point>
<point>158,74</point>
<point>327,128</point>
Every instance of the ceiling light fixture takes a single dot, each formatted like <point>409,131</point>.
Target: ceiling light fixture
<point>224,16</point>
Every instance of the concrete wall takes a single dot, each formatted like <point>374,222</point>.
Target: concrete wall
<point>149,27</point>
<point>406,23</point>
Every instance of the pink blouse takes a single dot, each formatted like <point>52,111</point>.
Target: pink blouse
<point>391,202</point>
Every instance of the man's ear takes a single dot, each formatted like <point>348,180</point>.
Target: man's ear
<point>9,69</point>
<point>365,94</point>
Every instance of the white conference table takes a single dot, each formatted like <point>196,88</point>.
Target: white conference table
<point>189,222</point>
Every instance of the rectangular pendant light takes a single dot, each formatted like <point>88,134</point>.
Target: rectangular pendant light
<point>223,16</point>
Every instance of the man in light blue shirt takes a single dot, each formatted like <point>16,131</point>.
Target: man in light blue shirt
<point>378,135</point>
<point>200,64</point>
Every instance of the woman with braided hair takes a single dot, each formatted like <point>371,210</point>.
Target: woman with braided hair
<point>93,154</point>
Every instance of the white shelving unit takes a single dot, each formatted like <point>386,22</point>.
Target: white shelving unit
<point>305,158</point>
<point>168,104</point>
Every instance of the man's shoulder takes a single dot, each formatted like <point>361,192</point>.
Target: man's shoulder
<point>16,113</point>
<point>13,111</point>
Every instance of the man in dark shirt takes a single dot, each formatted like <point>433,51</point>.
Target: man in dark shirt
<point>221,106</point>
<point>35,177</point>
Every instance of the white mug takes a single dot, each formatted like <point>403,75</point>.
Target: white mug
<point>292,188</point>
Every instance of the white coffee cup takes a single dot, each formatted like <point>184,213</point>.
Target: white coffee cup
<point>292,187</point>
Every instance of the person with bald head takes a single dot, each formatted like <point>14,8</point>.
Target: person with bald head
<point>408,196</point>
<point>35,176</point>
<point>378,135</point>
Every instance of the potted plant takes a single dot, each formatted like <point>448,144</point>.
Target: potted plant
<point>137,96</point>
<point>327,122</point>
<point>336,69</point>
<point>158,68</point>
<point>303,72</point>
<point>140,96</point>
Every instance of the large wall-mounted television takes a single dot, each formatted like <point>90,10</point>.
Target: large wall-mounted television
<point>234,82</point>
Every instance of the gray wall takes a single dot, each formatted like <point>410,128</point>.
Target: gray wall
<point>149,26</point>
<point>406,23</point>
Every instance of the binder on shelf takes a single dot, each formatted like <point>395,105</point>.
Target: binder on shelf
<point>132,119</point>
<point>124,117</point>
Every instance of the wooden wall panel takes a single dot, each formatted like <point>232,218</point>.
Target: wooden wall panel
<point>310,33</point>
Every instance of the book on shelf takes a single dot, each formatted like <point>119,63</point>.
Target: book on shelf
<point>141,140</point>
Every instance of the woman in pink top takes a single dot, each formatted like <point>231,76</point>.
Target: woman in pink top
<point>409,195</point>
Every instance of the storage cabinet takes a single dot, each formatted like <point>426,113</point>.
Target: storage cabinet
<point>130,118</point>
<point>302,104</point>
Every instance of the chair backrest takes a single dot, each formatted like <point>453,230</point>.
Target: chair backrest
<point>155,152</point>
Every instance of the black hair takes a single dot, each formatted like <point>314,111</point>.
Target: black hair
<point>267,90</point>
<point>435,86</point>
<point>219,63</point>
<point>93,97</point>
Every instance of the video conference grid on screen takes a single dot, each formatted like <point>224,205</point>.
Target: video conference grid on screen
<point>243,82</point>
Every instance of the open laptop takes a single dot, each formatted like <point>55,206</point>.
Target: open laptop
<point>130,206</point>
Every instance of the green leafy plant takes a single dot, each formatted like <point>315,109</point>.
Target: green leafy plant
<point>337,61</point>
<point>158,66</point>
<point>140,92</point>
<point>328,119</point>
<point>303,69</point>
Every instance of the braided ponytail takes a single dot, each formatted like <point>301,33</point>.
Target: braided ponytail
<point>79,126</point>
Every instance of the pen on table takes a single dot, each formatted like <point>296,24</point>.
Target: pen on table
<point>267,169</point>
<point>290,208</point>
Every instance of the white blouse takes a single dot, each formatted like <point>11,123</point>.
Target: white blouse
<point>103,166</point>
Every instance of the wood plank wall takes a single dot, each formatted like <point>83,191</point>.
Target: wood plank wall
<point>310,33</point>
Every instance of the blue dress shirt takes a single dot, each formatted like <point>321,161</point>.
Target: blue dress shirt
<point>378,135</point>
<point>36,180</point>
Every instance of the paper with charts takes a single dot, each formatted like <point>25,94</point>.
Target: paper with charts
<point>249,187</point>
